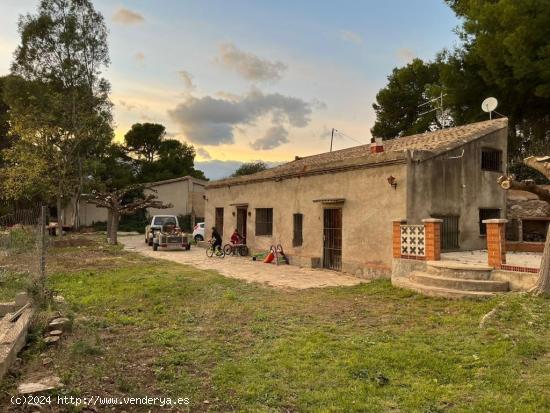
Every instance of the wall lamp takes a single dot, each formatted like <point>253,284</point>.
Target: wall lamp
<point>392,181</point>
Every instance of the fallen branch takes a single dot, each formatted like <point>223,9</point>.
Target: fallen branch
<point>490,315</point>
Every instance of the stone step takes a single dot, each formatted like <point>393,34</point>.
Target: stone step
<point>448,293</point>
<point>454,283</point>
<point>455,269</point>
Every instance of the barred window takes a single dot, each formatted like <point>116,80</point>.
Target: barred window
<point>297,239</point>
<point>491,160</point>
<point>487,213</point>
<point>264,221</point>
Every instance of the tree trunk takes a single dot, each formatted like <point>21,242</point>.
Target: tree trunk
<point>113,240</point>
<point>109,224</point>
<point>59,216</point>
<point>542,287</point>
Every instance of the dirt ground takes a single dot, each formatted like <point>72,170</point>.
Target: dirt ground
<point>243,268</point>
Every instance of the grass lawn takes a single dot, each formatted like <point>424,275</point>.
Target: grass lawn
<point>144,327</point>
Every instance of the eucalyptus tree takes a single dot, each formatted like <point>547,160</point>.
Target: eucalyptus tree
<point>58,99</point>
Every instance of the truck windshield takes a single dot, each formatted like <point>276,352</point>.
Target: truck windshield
<point>164,221</point>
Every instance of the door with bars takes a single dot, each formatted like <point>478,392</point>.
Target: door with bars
<point>449,232</point>
<point>332,239</point>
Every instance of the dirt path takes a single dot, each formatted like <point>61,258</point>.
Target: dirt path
<point>243,268</point>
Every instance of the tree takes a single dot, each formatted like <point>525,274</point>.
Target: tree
<point>505,45</point>
<point>250,168</point>
<point>397,105</point>
<point>57,99</point>
<point>173,159</point>
<point>145,140</point>
<point>542,165</point>
<point>118,203</point>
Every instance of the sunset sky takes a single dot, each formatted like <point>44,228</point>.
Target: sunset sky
<point>243,80</point>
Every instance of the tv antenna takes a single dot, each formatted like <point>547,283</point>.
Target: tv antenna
<point>436,106</point>
<point>489,105</point>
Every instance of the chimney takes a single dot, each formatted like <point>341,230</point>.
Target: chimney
<point>376,145</point>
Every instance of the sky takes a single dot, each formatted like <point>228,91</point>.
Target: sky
<point>255,80</point>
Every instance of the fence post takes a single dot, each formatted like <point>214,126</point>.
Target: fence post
<point>432,229</point>
<point>396,236</point>
<point>496,242</point>
<point>42,247</point>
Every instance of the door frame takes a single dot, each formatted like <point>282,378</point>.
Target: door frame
<point>328,261</point>
<point>242,211</point>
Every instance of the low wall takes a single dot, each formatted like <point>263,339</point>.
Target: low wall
<point>402,267</point>
<point>524,246</point>
<point>518,281</point>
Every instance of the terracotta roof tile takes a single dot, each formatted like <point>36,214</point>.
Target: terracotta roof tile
<point>394,150</point>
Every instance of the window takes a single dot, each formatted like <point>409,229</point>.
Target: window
<point>264,221</point>
<point>164,221</point>
<point>491,160</point>
<point>219,220</point>
<point>297,238</point>
<point>486,213</point>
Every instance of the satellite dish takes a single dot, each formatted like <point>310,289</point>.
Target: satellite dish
<point>489,105</point>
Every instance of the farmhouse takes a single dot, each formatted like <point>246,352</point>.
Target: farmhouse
<point>186,194</point>
<point>335,210</point>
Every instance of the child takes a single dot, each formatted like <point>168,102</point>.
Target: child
<point>236,237</point>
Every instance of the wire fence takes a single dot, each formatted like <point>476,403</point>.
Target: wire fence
<point>23,251</point>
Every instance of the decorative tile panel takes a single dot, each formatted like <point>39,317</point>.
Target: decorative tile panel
<point>413,240</point>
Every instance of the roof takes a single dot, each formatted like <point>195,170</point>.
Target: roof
<point>436,142</point>
<point>180,179</point>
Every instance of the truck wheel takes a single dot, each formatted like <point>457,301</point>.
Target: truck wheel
<point>155,247</point>
<point>188,247</point>
<point>150,242</point>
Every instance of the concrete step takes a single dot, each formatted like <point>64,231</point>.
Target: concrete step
<point>432,291</point>
<point>455,269</point>
<point>454,283</point>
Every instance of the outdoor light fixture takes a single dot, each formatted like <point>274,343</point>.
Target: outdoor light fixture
<point>233,213</point>
<point>249,213</point>
<point>392,181</point>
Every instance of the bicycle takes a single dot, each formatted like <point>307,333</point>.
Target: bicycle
<point>234,249</point>
<point>218,252</point>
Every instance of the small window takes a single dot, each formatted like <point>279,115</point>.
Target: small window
<point>491,160</point>
<point>297,237</point>
<point>264,221</point>
<point>219,220</point>
<point>486,213</point>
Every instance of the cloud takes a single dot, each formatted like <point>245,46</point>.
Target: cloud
<point>127,16</point>
<point>139,56</point>
<point>203,153</point>
<point>187,79</point>
<point>405,55</point>
<point>126,105</point>
<point>212,121</point>
<point>274,137</point>
<point>351,37</point>
<point>248,65</point>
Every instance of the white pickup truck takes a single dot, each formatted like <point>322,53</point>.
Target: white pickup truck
<point>157,222</point>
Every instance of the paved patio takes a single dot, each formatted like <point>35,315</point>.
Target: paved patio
<point>243,268</point>
<point>520,259</point>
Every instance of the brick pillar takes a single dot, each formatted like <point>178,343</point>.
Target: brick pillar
<point>432,230</point>
<point>496,242</point>
<point>396,236</point>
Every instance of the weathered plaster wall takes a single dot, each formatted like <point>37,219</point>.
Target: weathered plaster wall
<point>185,196</point>
<point>444,186</point>
<point>369,207</point>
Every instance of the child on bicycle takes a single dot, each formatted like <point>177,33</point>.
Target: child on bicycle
<point>236,238</point>
<point>216,239</point>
